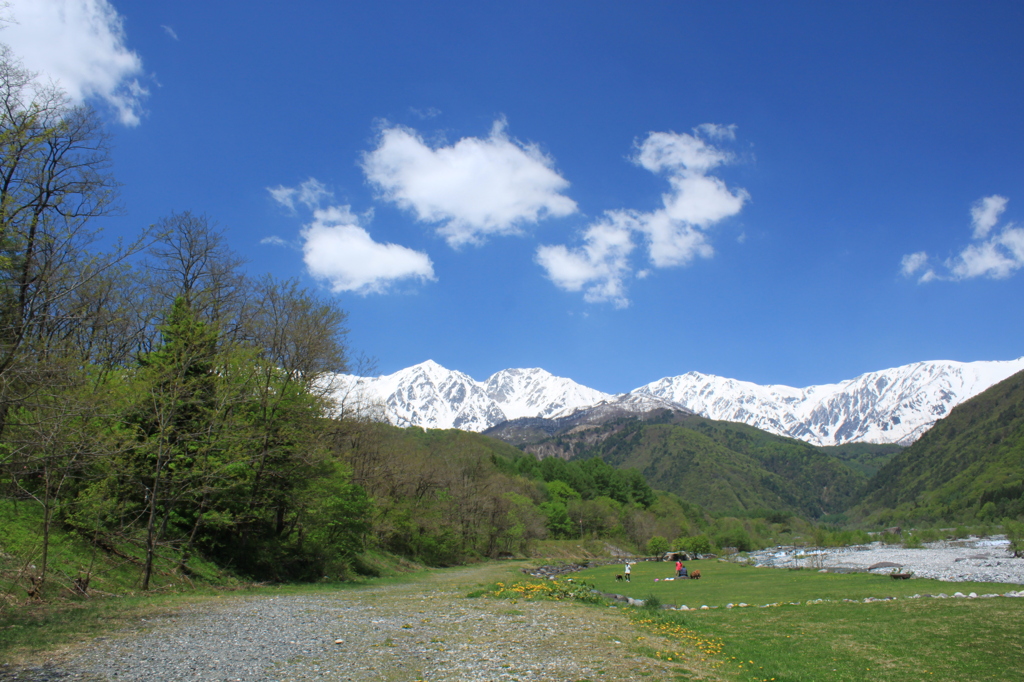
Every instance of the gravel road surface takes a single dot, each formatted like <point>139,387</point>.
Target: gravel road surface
<point>424,630</point>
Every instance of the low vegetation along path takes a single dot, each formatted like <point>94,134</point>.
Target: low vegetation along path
<point>424,629</point>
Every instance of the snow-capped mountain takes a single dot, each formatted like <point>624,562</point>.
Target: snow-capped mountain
<point>891,406</point>
<point>433,397</point>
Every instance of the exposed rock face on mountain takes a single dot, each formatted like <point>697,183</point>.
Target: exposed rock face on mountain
<point>532,429</point>
<point>891,406</point>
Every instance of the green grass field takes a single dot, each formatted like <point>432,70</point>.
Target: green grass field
<point>724,583</point>
<point>898,640</point>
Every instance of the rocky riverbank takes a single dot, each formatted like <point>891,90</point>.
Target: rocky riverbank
<point>973,559</point>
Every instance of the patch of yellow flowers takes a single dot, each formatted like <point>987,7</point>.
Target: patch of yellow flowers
<point>706,646</point>
<point>556,590</point>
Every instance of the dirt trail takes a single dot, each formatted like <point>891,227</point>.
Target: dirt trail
<point>424,629</point>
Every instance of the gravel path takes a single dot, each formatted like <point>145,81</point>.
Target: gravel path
<point>975,559</point>
<point>424,630</point>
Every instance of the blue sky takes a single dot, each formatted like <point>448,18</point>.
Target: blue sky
<point>791,193</point>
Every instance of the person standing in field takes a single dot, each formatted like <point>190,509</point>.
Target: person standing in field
<point>627,572</point>
<point>679,568</point>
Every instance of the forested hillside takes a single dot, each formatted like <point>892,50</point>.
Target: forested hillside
<point>969,466</point>
<point>723,466</point>
<point>443,496</point>
<point>866,458</point>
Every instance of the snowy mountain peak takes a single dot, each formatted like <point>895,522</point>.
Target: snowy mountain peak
<point>432,396</point>
<point>537,393</point>
<point>895,405</point>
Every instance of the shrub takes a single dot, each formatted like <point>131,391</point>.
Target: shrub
<point>657,546</point>
<point>695,544</point>
<point>1015,534</point>
<point>891,539</point>
<point>912,541</point>
<point>735,537</point>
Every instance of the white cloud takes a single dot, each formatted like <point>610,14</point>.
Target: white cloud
<point>995,255</point>
<point>671,242</point>
<point>672,151</point>
<point>425,114</point>
<point>716,131</point>
<point>169,31</point>
<point>914,262</point>
<point>599,266</point>
<point>985,214</point>
<point>339,250</point>
<point>1012,239</point>
<point>985,259</point>
<point>80,46</point>
<point>310,193</point>
<point>476,187</point>
<point>675,234</point>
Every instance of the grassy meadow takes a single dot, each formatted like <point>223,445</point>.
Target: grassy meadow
<point>724,582</point>
<point>902,639</point>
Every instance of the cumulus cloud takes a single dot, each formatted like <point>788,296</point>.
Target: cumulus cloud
<point>993,254</point>
<point>600,266</point>
<point>339,250</point>
<point>79,46</point>
<point>675,234</point>
<point>475,188</point>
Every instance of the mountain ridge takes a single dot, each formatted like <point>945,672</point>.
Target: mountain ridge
<point>895,405</point>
